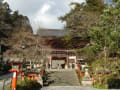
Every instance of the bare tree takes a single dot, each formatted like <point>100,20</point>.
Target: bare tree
<point>27,46</point>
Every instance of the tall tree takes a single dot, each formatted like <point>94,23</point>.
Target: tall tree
<point>106,36</point>
<point>95,5</point>
<point>83,16</point>
<point>9,20</point>
<point>25,45</point>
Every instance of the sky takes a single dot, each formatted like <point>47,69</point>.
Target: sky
<point>43,13</point>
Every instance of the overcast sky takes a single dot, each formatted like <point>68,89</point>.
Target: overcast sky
<point>42,13</point>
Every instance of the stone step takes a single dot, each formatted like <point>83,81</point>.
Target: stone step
<point>68,88</point>
<point>63,78</point>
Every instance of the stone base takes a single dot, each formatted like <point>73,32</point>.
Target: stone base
<point>66,67</point>
<point>87,82</point>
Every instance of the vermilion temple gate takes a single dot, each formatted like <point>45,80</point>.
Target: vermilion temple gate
<point>62,59</point>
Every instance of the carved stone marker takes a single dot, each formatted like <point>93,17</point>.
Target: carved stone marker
<point>86,81</point>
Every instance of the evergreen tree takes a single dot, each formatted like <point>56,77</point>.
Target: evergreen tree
<point>95,5</point>
<point>10,20</point>
<point>106,36</point>
<point>83,16</point>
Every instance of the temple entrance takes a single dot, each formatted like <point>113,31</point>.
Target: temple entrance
<point>62,59</point>
<point>58,64</point>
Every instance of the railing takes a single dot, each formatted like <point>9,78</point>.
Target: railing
<point>81,74</point>
<point>5,83</point>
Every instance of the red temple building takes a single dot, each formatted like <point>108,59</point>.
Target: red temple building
<point>61,56</point>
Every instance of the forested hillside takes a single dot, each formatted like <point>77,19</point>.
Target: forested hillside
<point>11,21</point>
<point>13,29</point>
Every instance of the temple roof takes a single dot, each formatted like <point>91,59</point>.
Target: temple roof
<point>52,33</point>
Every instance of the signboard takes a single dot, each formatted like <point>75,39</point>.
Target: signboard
<point>72,57</point>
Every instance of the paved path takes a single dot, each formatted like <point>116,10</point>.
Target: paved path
<point>9,75</point>
<point>63,78</point>
<point>72,88</point>
<point>6,78</point>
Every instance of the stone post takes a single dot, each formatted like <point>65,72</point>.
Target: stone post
<point>75,62</point>
<point>50,62</point>
<point>66,64</point>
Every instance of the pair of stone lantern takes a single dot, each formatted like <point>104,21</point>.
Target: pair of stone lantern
<point>99,75</point>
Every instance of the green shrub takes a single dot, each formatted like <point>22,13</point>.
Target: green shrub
<point>101,66</point>
<point>27,84</point>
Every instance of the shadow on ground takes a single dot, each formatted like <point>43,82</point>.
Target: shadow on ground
<point>46,80</point>
<point>114,84</point>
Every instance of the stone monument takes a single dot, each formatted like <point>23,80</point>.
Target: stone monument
<point>86,81</point>
<point>87,76</point>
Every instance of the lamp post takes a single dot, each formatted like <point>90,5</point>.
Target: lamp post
<point>99,76</point>
<point>22,75</point>
<point>15,70</point>
<point>78,69</point>
<point>82,73</point>
<point>92,74</point>
<point>107,74</point>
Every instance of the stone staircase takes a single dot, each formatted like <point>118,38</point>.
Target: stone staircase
<point>70,88</point>
<point>63,78</point>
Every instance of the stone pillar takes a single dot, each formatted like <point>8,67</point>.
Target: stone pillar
<point>66,64</point>
<point>30,64</point>
<point>83,66</point>
<point>66,67</point>
<point>50,62</point>
<point>37,65</point>
<point>70,65</point>
<point>75,62</point>
<point>46,65</point>
<point>34,65</point>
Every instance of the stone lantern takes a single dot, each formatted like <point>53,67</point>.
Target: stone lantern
<point>107,74</point>
<point>92,75</point>
<point>99,76</point>
<point>15,69</point>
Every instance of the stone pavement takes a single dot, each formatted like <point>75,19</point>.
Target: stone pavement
<point>6,78</point>
<point>63,78</point>
<point>72,88</point>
